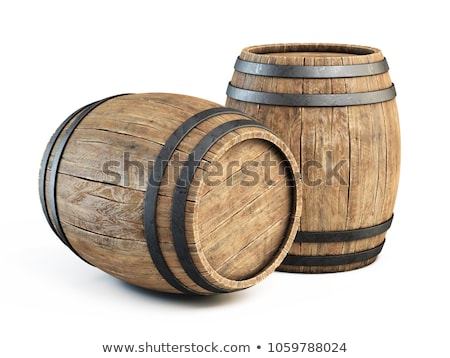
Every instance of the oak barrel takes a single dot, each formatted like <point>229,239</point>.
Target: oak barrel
<point>335,107</point>
<point>170,192</point>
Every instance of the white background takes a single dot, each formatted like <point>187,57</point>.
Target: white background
<point>56,56</point>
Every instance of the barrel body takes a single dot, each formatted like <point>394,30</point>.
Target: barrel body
<point>165,191</point>
<point>335,107</point>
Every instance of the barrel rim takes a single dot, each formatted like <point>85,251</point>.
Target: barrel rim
<point>266,135</point>
<point>262,53</point>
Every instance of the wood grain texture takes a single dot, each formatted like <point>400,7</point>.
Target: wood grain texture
<point>238,229</point>
<point>349,156</point>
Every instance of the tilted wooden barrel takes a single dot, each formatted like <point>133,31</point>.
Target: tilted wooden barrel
<point>335,107</point>
<point>170,192</point>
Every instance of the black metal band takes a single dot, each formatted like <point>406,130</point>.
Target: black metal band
<point>311,100</point>
<point>181,193</point>
<point>53,216</point>
<point>332,260</point>
<point>341,236</point>
<point>292,71</point>
<point>151,196</point>
<point>44,164</point>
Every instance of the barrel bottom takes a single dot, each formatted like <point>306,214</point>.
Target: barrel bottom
<point>334,256</point>
<point>325,269</point>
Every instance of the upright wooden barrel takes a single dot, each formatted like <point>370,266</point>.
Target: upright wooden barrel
<point>335,107</point>
<point>169,192</point>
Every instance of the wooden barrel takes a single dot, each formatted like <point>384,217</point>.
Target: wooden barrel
<point>335,107</point>
<point>169,192</point>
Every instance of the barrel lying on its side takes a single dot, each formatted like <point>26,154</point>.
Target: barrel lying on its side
<point>335,107</point>
<point>168,192</point>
